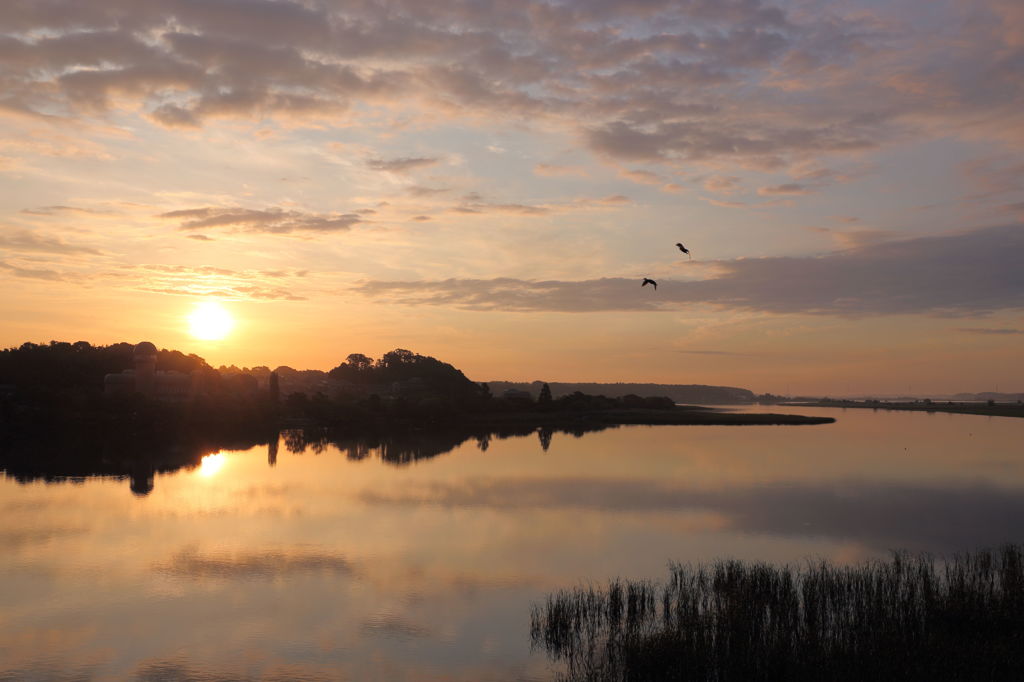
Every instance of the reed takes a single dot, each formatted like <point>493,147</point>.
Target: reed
<point>911,617</point>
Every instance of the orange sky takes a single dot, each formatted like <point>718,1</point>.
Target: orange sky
<point>489,183</point>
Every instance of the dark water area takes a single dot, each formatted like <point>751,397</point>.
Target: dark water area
<point>418,555</point>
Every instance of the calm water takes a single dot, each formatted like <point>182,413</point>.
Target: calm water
<point>340,564</point>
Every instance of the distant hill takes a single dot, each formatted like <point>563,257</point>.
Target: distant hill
<point>680,393</point>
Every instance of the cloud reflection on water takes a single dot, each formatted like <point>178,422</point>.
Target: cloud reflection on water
<point>879,514</point>
<point>376,557</point>
<point>393,625</point>
<point>191,563</point>
<point>177,671</point>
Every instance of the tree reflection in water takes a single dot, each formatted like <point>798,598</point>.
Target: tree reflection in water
<point>402,447</point>
<point>64,459</point>
<point>56,460</point>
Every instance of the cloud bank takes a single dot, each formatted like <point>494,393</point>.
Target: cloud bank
<point>188,281</point>
<point>272,220</point>
<point>658,81</point>
<point>956,275</point>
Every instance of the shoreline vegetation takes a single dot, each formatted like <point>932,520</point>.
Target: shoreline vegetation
<point>679,415</point>
<point>108,408</point>
<point>908,618</point>
<point>989,408</point>
<point>136,390</point>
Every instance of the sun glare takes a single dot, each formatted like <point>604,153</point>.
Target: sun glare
<point>210,321</point>
<point>211,464</point>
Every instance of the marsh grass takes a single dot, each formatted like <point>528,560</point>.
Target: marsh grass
<point>911,617</point>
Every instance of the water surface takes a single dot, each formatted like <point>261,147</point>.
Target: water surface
<point>400,562</point>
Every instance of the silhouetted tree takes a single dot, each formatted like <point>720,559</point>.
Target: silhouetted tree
<point>544,399</point>
<point>79,366</point>
<point>397,358</point>
<point>422,375</point>
<point>273,385</point>
<point>359,362</point>
<point>297,404</point>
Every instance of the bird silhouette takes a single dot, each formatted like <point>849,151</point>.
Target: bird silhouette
<point>647,281</point>
<point>684,250</point>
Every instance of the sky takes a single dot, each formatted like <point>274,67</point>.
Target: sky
<point>489,181</point>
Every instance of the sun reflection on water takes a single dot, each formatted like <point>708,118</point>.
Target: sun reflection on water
<point>211,464</point>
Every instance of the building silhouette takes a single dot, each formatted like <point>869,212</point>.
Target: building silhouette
<point>147,380</point>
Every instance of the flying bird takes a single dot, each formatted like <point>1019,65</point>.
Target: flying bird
<point>684,250</point>
<point>649,281</point>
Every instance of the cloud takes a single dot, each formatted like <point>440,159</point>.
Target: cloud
<point>422,191</point>
<point>54,210</point>
<point>697,141</point>
<point>28,241</point>
<point>749,80</point>
<point>995,176</point>
<point>956,275</point>
<point>725,204</point>
<point>722,184</point>
<point>751,84</point>
<point>789,188</point>
<point>252,293</point>
<point>643,177</point>
<point>551,170</point>
<point>990,331</point>
<point>192,281</point>
<point>856,238</point>
<point>200,271</point>
<point>49,141</point>
<point>519,209</point>
<point>473,204</point>
<point>401,165</point>
<point>272,220</point>
<point>715,352</point>
<point>32,273</point>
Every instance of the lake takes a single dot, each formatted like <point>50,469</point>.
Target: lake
<point>398,561</point>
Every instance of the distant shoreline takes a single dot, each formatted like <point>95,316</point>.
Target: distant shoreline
<point>683,415</point>
<point>994,410</point>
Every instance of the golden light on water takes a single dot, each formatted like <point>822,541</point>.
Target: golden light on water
<point>211,464</point>
<point>210,321</point>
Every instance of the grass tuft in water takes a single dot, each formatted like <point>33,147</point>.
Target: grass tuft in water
<point>908,618</point>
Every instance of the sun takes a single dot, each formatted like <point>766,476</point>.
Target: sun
<point>210,321</point>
